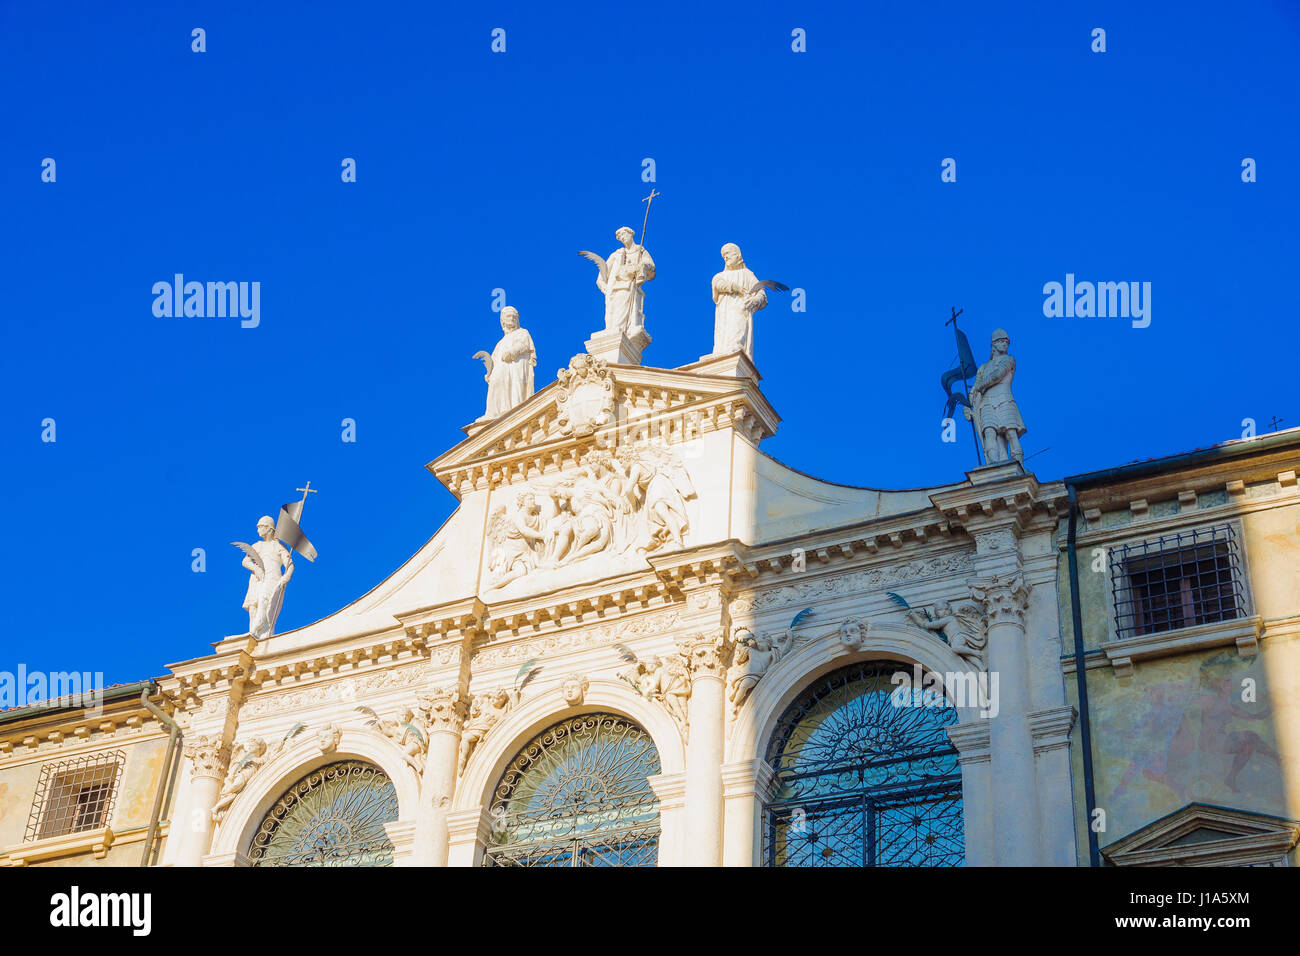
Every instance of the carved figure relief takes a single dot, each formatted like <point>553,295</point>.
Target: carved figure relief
<point>963,628</point>
<point>485,712</point>
<point>407,731</point>
<point>752,658</point>
<point>666,680</point>
<point>627,504</point>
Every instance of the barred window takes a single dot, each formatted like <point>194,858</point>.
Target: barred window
<point>75,795</point>
<point>1178,580</point>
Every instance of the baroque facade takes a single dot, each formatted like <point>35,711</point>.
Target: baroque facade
<point>639,640</point>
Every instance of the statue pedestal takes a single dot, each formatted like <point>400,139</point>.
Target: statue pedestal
<point>618,348</point>
<point>737,365</point>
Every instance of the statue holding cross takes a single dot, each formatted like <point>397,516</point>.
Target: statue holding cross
<point>270,564</point>
<point>622,278</point>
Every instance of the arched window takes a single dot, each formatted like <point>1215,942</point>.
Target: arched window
<point>865,775</point>
<point>578,795</point>
<point>334,816</point>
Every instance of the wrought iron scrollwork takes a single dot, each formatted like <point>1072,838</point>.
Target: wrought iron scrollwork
<point>578,795</point>
<point>333,816</point>
<point>864,776</point>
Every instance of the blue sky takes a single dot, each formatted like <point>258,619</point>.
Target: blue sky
<point>478,170</point>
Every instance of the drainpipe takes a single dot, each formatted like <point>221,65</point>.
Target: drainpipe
<point>1081,679</point>
<point>167,782</point>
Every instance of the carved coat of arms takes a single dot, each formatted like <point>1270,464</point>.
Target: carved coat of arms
<point>586,395</point>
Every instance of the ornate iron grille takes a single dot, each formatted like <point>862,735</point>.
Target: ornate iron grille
<point>578,795</point>
<point>75,795</point>
<point>334,816</point>
<point>1175,581</point>
<point>864,777</point>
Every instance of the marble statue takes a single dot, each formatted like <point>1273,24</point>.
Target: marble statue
<point>509,368</point>
<point>752,658</point>
<point>485,712</point>
<point>622,279</point>
<point>993,409</point>
<point>266,580</point>
<point>737,295</point>
<point>963,628</point>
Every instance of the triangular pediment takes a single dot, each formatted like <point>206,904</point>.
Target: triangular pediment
<point>1204,835</point>
<point>593,403</point>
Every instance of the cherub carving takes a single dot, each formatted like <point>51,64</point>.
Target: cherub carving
<point>485,712</point>
<point>666,680</point>
<point>407,732</point>
<point>244,762</point>
<point>752,658</point>
<point>963,628</point>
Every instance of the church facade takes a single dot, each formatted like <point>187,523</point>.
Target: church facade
<point>640,640</point>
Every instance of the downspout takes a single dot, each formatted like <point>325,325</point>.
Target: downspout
<point>1081,679</point>
<point>167,782</point>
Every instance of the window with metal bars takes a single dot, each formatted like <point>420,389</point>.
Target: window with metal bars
<point>75,795</point>
<point>1176,581</point>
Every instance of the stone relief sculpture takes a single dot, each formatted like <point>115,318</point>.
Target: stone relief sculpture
<point>993,409</point>
<point>585,395</point>
<point>485,712</point>
<point>666,680</point>
<point>630,503</point>
<point>328,738</point>
<point>853,633</point>
<point>574,689</point>
<point>245,760</point>
<point>407,731</point>
<point>962,628</point>
<point>270,566</point>
<point>737,295</point>
<point>509,369</point>
<point>622,278</point>
<point>752,658</point>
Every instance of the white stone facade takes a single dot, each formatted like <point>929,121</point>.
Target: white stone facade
<point>714,542</point>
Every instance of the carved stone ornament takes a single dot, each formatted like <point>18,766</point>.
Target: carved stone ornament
<point>444,711</point>
<point>708,652</point>
<point>327,739</point>
<point>408,730</point>
<point>1004,598</point>
<point>485,712</point>
<point>752,657</point>
<point>616,508</point>
<point>962,627</point>
<point>574,689</point>
<point>666,680</point>
<point>245,760</point>
<point>585,399</point>
<point>853,632</point>
<point>208,756</point>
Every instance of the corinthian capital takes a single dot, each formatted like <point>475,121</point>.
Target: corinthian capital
<point>708,653</point>
<point>209,756</point>
<point>1003,596</point>
<point>444,710</point>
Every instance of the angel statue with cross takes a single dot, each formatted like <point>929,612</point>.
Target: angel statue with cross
<point>270,564</point>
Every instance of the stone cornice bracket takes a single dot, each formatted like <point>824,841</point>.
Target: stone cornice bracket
<point>209,755</point>
<point>972,741</point>
<point>725,564</point>
<point>1000,495</point>
<point>1050,729</point>
<point>445,709</point>
<point>708,653</point>
<point>442,624</point>
<point>1004,598</point>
